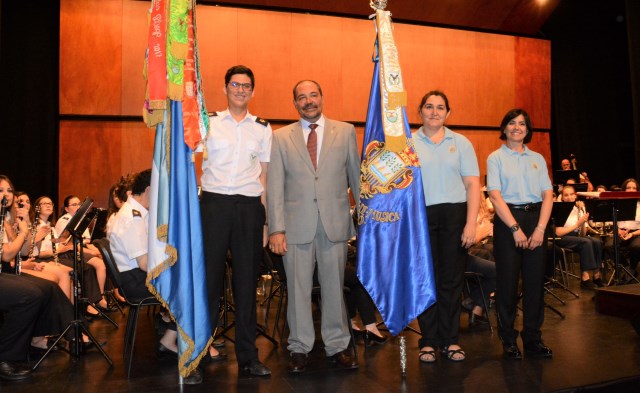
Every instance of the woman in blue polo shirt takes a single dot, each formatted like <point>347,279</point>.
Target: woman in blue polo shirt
<point>521,192</point>
<point>450,177</point>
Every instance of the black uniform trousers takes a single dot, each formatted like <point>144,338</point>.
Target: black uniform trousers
<point>510,262</point>
<point>440,323</point>
<point>234,222</point>
<point>21,302</point>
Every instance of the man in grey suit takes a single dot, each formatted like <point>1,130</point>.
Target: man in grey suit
<point>313,163</point>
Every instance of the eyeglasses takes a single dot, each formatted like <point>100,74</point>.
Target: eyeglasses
<point>46,203</point>
<point>74,204</point>
<point>237,85</point>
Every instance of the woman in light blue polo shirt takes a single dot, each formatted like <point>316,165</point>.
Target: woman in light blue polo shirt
<point>521,192</point>
<point>451,181</point>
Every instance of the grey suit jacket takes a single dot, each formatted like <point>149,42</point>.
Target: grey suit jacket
<point>296,192</point>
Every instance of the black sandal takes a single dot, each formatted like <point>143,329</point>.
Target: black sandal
<point>450,353</point>
<point>431,353</point>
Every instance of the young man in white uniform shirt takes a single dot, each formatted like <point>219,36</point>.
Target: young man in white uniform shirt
<point>233,209</point>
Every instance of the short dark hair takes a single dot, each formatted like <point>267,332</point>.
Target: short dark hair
<point>434,93</point>
<point>306,80</point>
<point>140,182</point>
<point>512,114</point>
<point>239,69</point>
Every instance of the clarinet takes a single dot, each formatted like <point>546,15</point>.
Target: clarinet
<point>3,210</point>
<point>54,248</point>
<point>34,230</point>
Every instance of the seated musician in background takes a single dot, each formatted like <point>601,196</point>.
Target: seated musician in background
<point>38,248</point>
<point>91,257</point>
<point>129,244</point>
<point>481,260</point>
<point>358,301</point>
<point>56,311</point>
<point>629,231</point>
<point>572,235</point>
<point>567,165</point>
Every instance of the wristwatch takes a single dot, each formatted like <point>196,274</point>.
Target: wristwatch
<point>514,228</point>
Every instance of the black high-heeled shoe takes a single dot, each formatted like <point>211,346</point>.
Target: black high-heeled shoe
<point>370,338</point>
<point>476,320</point>
<point>359,333</point>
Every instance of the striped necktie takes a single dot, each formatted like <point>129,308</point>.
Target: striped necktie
<point>312,145</point>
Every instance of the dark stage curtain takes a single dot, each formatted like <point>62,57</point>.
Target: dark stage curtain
<point>29,37</point>
<point>591,89</point>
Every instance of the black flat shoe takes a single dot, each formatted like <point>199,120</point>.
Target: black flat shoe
<point>371,338</point>
<point>164,352</point>
<point>511,351</point>
<point>359,333</point>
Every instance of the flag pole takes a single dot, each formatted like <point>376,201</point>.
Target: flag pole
<point>381,5</point>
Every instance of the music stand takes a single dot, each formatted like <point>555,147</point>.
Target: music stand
<point>75,227</point>
<point>561,176</point>
<point>579,187</point>
<point>614,206</point>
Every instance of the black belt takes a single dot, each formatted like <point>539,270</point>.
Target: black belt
<point>528,207</point>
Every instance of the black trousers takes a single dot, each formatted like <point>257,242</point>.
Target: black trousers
<point>440,323</point>
<point>358,300</point>
<point>510,263</point>
<point>21,301</point>
<point>234,222</point>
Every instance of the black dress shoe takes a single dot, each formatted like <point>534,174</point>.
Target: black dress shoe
<point>164,352</point>
<point>511,351</point>
<point>344,359</point>
<point>12,372</point>
<point>257,368</point>
<point>298,362</point>
<point>538,350</point>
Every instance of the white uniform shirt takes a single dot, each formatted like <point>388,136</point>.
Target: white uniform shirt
<point>62,224</point>
<point>128,237</point>
<point>235,151</point>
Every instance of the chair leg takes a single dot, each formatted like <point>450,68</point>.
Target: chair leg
<point>353,341</point>
<point>133,343</point>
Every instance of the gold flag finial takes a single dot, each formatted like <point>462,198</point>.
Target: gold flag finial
<point>378,4</point>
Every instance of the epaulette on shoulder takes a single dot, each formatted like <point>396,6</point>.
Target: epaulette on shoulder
<point>136,213</point>
<point>213,114</point>
<point>262,121</point>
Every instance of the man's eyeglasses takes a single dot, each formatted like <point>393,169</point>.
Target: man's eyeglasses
<point>237,85</point>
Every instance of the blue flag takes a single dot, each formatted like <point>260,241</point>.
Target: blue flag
<point>394,254</point>
<point>176,263</point>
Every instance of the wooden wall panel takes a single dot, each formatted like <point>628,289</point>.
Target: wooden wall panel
<point>93,156</point>
<point>134,43</point>
<point>90,57</point>
<point>533,80</point>
<point>483,74</point>
<point>102,51</point>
